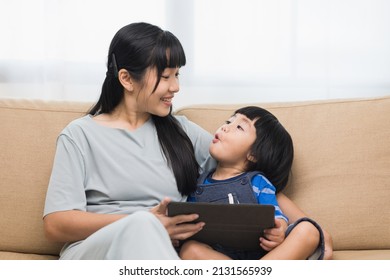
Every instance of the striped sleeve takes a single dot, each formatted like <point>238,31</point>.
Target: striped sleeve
<point>266,194</point>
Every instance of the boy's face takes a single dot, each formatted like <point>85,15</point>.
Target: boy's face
<point>232,142</point>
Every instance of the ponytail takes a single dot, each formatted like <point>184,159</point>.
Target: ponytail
<point>179,151</point>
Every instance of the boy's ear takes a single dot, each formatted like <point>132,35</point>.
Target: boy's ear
<point>125,80</point>
<point>251,158</point>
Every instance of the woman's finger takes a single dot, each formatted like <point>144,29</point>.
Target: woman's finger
<point>161,208</point>
<point>184,231</point>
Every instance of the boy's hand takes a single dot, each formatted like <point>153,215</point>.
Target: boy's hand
<point>275,236</point>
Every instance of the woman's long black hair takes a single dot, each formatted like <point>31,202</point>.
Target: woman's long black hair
<point>273,148</point>
<point>137,47</point>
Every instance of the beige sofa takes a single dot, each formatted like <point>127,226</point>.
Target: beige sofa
<point>341,171</point>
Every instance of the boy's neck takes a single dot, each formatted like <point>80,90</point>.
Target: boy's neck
<point>223,173</point>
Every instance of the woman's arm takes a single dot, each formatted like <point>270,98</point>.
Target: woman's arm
<point>201,140</point>
<point>293,212</point>
<point>289,208</point>
<point>74,225</point>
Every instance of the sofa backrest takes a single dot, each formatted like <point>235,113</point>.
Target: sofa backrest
<point>341,169</point>
<point>29,129</point>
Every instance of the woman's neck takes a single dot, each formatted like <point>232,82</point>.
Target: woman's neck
<point>124,117</point>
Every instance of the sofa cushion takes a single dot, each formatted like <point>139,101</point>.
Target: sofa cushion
<point>29,131</point>
<point>22,256</point>
<point>362,255</point>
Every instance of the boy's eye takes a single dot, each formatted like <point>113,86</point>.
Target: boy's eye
<point>227,122</point>
<point>240,127</point>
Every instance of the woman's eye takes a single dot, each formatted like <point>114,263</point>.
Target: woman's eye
<point>227,122</point>
<point>164,77</point>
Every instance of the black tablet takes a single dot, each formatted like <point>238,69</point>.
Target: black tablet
<point>236,226</point>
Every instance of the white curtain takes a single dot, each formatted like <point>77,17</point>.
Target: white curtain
<point>237,50</point>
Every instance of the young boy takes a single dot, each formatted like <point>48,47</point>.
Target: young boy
<point>254,154</point>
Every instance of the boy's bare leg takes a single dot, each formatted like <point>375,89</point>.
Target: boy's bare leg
<point>301,243</point>
<point>194,250</point>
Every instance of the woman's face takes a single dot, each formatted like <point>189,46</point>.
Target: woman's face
<point>158,102</point>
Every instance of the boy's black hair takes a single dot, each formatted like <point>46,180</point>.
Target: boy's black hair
<point>273,150</point>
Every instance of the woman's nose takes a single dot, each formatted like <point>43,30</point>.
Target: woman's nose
<point>174,86</point>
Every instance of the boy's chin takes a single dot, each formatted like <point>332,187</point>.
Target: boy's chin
<point>214,153</point>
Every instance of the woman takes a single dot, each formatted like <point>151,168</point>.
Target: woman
<point>114,167</point>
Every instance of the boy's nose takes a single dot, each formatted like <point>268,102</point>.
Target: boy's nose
<point>225,128</point>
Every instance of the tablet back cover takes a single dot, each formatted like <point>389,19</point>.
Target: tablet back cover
<point>236,226</point>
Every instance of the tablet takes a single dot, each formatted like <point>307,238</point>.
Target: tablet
<point>237,226</point>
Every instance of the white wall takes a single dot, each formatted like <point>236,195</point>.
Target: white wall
<point>237,51</point>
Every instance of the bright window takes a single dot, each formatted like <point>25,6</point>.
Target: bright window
<point>237,50</point>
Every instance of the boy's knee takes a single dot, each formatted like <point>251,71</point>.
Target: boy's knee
<point>305,226</point>
<point>190,249</point>
<point>308,233</point>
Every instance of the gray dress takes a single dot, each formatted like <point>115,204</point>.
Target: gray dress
<point>114,171</point>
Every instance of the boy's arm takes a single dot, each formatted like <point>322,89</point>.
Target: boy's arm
<point>265,193</point>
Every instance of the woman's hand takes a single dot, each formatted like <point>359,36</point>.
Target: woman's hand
<point>273,237</point>
<point>178,227</point>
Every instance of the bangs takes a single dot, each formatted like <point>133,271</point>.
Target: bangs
<point>252,112</point>
<point>168,53</point>
<point>260,116</point>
